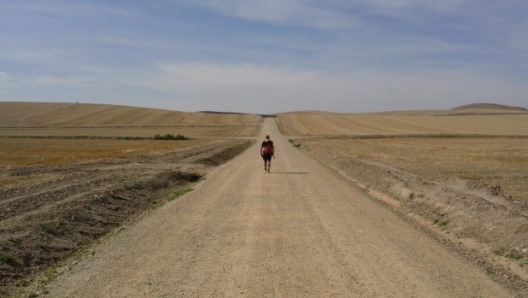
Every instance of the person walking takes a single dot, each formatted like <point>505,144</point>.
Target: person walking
<point>267,151</point>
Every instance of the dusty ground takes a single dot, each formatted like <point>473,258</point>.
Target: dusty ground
<point>301,231</point>
<point>44,221</point>
<point>481,221</point>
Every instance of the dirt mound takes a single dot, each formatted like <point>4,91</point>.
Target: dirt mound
<point>44,223</point>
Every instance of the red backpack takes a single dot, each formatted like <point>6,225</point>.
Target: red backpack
<point>268,148</point>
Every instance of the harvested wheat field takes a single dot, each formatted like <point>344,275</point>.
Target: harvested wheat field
<point>461,173</point>
<point>397,204</point>
<point>92,120</point>
<point>453,122</point>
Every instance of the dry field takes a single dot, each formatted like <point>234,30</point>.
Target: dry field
<point>454,122</point>
<point>483,161</point>
<point>134,132</point>
<point>98,115</point>
<point>59,194</point>
<point>72,173</point>
<point>21,153</point>
<point>65,120</point>
<point>459,174</point>
<point>487,147</point>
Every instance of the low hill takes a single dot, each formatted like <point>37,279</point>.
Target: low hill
<point>484,109</point>
<point>25,114</point>
<point>493,106</point>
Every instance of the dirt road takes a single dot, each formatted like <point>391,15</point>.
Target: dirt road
<point>300,231</point>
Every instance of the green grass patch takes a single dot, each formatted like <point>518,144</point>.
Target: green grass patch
<point>180,192</point>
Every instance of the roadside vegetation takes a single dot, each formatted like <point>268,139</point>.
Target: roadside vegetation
<point>170,136</point>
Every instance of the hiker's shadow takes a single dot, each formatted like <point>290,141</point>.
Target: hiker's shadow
<point>291,173</point>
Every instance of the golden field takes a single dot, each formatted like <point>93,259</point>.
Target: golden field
<point>98,115</point>
<point>487,146</point>
<point>19,153</point>
<point>132,132</point>
<point>491,161</point>
<point>53,134</point>
<point>66,120</point>
<point>51,152</point>
<point>404,123</point>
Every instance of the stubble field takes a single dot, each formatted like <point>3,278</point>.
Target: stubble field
<point>460,174</point>
<point>496,162</point>
<point>72,173</point>
<point>17,154</point>
<point>484,147</point>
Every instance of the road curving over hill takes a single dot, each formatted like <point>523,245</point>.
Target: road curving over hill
<point>300,231</point>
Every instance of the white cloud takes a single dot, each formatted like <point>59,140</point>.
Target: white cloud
<point>293,12</point>
<point>261,88</point>
<point>267,89</point>
<point>243,76</point>
<point>67,81</point>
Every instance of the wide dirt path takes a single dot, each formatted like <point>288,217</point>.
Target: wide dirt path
<point>300,231</point>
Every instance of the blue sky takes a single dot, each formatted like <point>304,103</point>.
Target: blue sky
<point>266,56</point>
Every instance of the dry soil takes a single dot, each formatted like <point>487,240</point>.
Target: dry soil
<point>300,231</point>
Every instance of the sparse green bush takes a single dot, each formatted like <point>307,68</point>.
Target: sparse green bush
<point>499,252</point>
<point>514,255</point>
<point>6,259</point>
<point>49,229</point>
<point>443,223</point>
<point>170,136</point>
<point>294,144</point>
<point>180,192</point>
<point>440,223</point>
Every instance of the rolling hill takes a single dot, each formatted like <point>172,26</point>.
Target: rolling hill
<point>17,114</point>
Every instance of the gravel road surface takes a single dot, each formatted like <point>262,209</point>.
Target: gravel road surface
<point>300,231</point>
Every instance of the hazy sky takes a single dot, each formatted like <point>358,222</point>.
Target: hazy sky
<point>264,56</point>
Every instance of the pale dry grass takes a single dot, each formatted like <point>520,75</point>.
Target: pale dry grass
<point>495,161</point>
<point>20,153</point>
<point>23,153</point>
<point>402,123</point>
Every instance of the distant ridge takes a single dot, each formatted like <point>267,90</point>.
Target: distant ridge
<point>223,113</point>
<point>493,106</point>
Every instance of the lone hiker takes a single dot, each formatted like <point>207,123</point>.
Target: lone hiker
<point>267,151</point>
